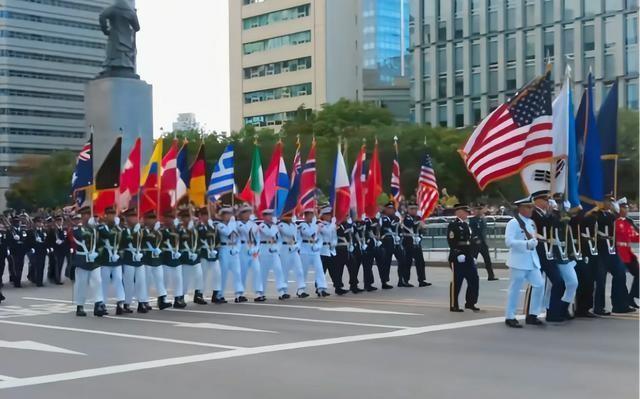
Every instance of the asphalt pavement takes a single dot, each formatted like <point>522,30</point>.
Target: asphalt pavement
<point>400,343</point>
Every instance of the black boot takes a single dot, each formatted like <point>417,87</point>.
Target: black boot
<point>219,301</point>
<point>162,302</point>
<point>179,303</point>
<point>214,296</point>
<point>356,290</point>
<point>386,286</point>
<point>513,323</point>
<point>370,288</point>
<point>147,306</point>
<point>198,298</point>
<point>533,320</point>
<point>142,308</point>
<point>341,291</point>
<point>424,284</point>
<point>2,298</point>
<point>260,298</point>
<point>126,308</point>
<point>302,295</point>
<point>99,309</point>
<point>241,299</point>
<point>80,311</point>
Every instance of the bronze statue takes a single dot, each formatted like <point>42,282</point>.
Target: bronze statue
<point>120,23</point>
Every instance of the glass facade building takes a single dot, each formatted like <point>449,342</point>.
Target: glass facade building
<point>471,55</point>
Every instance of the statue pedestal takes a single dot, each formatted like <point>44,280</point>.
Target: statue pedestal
<point>119,106</point>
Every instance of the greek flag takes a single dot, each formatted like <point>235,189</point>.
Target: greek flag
<point>222,177</point>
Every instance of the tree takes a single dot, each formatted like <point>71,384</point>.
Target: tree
<point>628,175</point>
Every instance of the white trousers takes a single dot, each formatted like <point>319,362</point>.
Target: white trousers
<point>290,260</point>
<point>518,278</point>
<point>112,277</point>
<point>271,261</point>
<point>313,261</point>
<point>211,275</point>
<point>570,278</point>
<point>88,285</point>
<point>250,262</point>
<point>156,273</point>
<point>135,284</point>
<point>173,275</point>
<point>192,277</point>
<point>230,263</point>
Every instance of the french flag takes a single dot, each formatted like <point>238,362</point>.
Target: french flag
<point>341,194</point>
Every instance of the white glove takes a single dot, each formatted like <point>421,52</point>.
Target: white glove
<point>461,258</point>
<point>93,256</point>
<point>378,215</point>
<point>190,225</point>
<point>157,226</point>
<point>233,219</point>
<point>349,220</point>
<point>252,217</point>
<point>294,219</point>
<point>363,216</point>
<point>213,253</point>
<point>175,255</point>
<point>275,220</point>
<point>314,220</point>
<point>91,222</point>
<point>397,214</point>
<point>157,251</point>
<point>616,207</point>
<point>566,204</point>
<point>553,204</point>
<point>16,237</point>
<point>136,228</point>
<point>378,243</point>
<point>334,220</point>
<point>532,243</point>
<point>193,257</point>
<point>364,247</point>
<point>38,239</point>
<point>137,257</point>
<point>114,258</point>
<point>33,251</point>
<point>350,248</point>
<point>586,259</point>
<point>176,222</point>
<point>116,220</point>
<point>315,247</point>
<point>59,241</point>
<point>210,223</point>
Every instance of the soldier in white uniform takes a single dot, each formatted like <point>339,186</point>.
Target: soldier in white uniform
<point>270,252</point>
<point>290,256</point>
<point>250,251</point>
<point>523,263</point>
<point>311,243</point>
<point>228,255</point>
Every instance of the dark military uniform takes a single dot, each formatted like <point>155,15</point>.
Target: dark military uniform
<point>391,243</point>
<point>190,261</point>
<point>152,260</point>
<point>172,264</point>
<point>586,264</point>
<point>412,244</point>
<point>4,248</point>
<point>344,253</point>
<point>462,264</point>
<point>87,272</point>
<point>110,262</point>
<point>59,242</point>
<point>39,245</point>
<point>18,248</point>
<point>207,243</point>
<point>479,243</point>
<point>373,251</point>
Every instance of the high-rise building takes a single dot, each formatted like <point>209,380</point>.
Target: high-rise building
<point>286,54</point>
<point>471,55</point>
<point>386,63</point>
<point>186,121</point>
<point>49,49</point>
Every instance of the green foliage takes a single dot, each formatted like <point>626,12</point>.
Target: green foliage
<point>628,167</point>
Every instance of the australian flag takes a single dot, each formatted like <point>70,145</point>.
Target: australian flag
<point>82,178</point>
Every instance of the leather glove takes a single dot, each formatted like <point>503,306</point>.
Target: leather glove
<point>136,228</point>
<point>461,258</point>
<point>157,226</point>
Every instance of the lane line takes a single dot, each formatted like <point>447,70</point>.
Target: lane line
<point>6,378</point>
<point>340,309</point>
<point>115,334</point>
<point>152,364</point>
<point>405,302</point>
<point>213,326</point>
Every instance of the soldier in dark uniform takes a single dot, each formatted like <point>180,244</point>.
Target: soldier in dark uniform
<point>207,244</point>
<point>390,224</point>
<point>171,259</point>
<point>18,248</point>
<point>59,242</point>
<point>344,252</point>
<point>372,250</point>
<point>4,250</point>
<point>609,262</point>
<point>151,256</point>
<point>356,256</point>
<point>109,233</point>
<point>134,276</point>
<point>478,224</point>
<point>579,251</point>
<point>412,244</point>
<point>462,263</point>
<point>39,247</point>
<point>190,257</point>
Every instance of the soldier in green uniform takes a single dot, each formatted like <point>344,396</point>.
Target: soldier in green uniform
<point>190,257</point>
<point>133,274</point>
<point>87,273</point>
<point>207,248</point>
<point>151,256</point>
<point>108,244</point>
<point>171,258</point>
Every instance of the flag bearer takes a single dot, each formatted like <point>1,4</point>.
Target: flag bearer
<point>134,272</point>
<point>412,244</point>
<point>389,224</point>
<point>109,233</point>
<point>250,252</point>
<point>290,256</point>
<point>270,252</point>
<point>18,248</point>
<point>310,250</point>
<point>229,255</point>
<point>60,244</point>
<point>190,258</point>
<point>462,263</point>
<point>39,245</point>
<point>334,258</point>
<point>151,257</point>
<point>207,244</point>
<point>372,250</point>
<point>171,258</point>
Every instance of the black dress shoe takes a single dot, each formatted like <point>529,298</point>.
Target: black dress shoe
<point>119,310</point>
<point>370,288</point>
<point>241,299</point>
<point>2,297</point>
<point>455,309</point>
<point>623,311</point>
<point>493,279</point>
<point>214,295</point>
<point>59,283</point>
<point>80,311</point>
<point>179,303</point>
<point>386,286</point>
<point>424,284</point>
<point>585,315</point>
<point>302,295</point>
<point>162,302</point>
<point>533,320</point>
<point>323,293</point>
<point>472,307</point>
<point>261,298</point>
<point>602,312</point>
<point>284,296</point>
<point>126,309</point>
<point>142,308</point>
<point>220,301</point>
<point>513,323</point>
<point>633,304</point>
<point>554,319</point>
<point>99,309</point>
<point>356,290</point>
<point>147,306</point>
<point>199,300</point>
<point>341,291</point>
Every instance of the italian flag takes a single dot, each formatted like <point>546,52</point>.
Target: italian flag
<point>255,184</point>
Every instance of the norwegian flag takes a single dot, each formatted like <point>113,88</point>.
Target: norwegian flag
<point>516,134</point>
<point>358,184</point>
<point>427,188</point>
<point>308,181</point>
<point>395,176</point>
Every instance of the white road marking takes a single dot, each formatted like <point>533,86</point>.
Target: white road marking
<point>115,334</point>
<point>37,346</point>
<point>6,378</point>
<point>212,326</point>
<point>124,368</point>
<point>337,309</point>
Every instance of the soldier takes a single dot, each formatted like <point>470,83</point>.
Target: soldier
<point>478,224</point>
<point>523,263</point>
<point>171,258</point>
<point>87,273</point>
<point>229,255</point>
<point>334,254</point>
<point>310,246</point>
<point>39,247</point>
<point>151,257</point>
<point>586,255</point>
<point>109,232</point>
<point>609,262</point>
<point>372,250</point>
<point>249,252</point>
<point>412,244</point>
<point>355,260</point>
<point>134,273</point>
<point>58,234</point>
<point>290,256</point>
<point>463,265</point>
<point>626,235</point>
<point>4,250</point>
<point>190,258</point>
<point>566,265</point>
<point>270,252</point>
<point>390,224</point>
<point>208,242</point>
<point>18,248</point>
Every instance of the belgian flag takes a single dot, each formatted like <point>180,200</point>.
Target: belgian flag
<point>107,180</point>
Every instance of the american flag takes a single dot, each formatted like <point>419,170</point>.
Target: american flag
<point>427,188</point>
<point>395,177</point>
<point>513,136</point>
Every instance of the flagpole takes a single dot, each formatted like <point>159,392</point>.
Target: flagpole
<point>93,175</point>
<point>117,194</point>
<point>139,174</point>
<point>333,210</point>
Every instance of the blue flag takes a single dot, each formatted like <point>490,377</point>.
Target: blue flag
<point>82,178</point>
<point>184,175</point>
<point>282,186</point>
<point>608,129</point>
<point>590,178</point>
<point>222,177</point>
<point>573,195</point>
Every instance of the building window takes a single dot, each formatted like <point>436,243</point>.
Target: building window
<point>549,38</point>
<point>511,78</point>
<point>631,35</point>
<point>609,65</point>
<point>42,132</point>
<point>426,62</point>
<point>632,59</point>
<point>475,53</point>
<point>442,86</point>
<point>458,7</point>
<point>272,119</point>
<point>529,72</point>
<point>49,21</point>
<point>51,39</point>
<point>277,93</point>
<point>530,12</point>
<point>442,114</point>
<point>66,4</point>
<point>442,60</point>
<point>426,90</point>
<point>459,114</point>
<point>41,94</point>
<point>631,4</point>
<point>426,33</point>
<point>475,82</point>
<point>511,14</point>
<point>613,5</point>
<point>493,16</point>
<point>277,42</point>
<point>475,17</point>
<point>277,68</point>
<point>276,16</point>
<point>50,58</point>
<point>591,7</point>
<point>40,114</point>
<point>493,51</point>
<point>567,40</point>
<point>511,47</point>
<point>427,116</point>
<point>493,81</point>
<point>458,29</point>
<point>610,32</point>
<point>442,31</point>
<point>588,37</point>
<point>547,11</point>
<point>530,45</point>
<point>476,112</point>
<point>570,10</point>
<point>14,73</point>
<point>493,103</point>
<point>459,86</point>
<point>632,94</point>
<point>458,57</point>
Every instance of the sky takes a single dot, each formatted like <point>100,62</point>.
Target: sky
<point>183,51</point>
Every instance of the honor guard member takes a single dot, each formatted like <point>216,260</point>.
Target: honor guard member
<point>270,252</point>
<point>290,255</point>
<point>134,274</point>
<point>87,284</point>
<point>39,247</point>
<point>583,228</point>
<point>152,257</point>
<point>372,251</point>
<point>18,248</point>
<point>229,255</point>
<point>249,252</point>
<point>412,244</point>
<point>171,258</point>
<point>478,224</point>
<point>566,265</point>
<point>310,246</point>
<point>609,262</point>
<point>390,227</point>
<point>207,244</point>
<point>355,260</point>
<point>523,263</point>
<point>4,250</point>
<point>58,235</point>
<point>108,245</point>
<point>190,257</point>
<point>626,236</point>
<point>462,263</point>
<point>51,260</point>
<point>334,253</point>
<point>556,309</point>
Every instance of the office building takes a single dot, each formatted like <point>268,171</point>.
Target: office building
<point>49,49</point>
<point>471,55</point>
<point>386,64</point>
<point>286,54</point>
<point>186,121</point>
